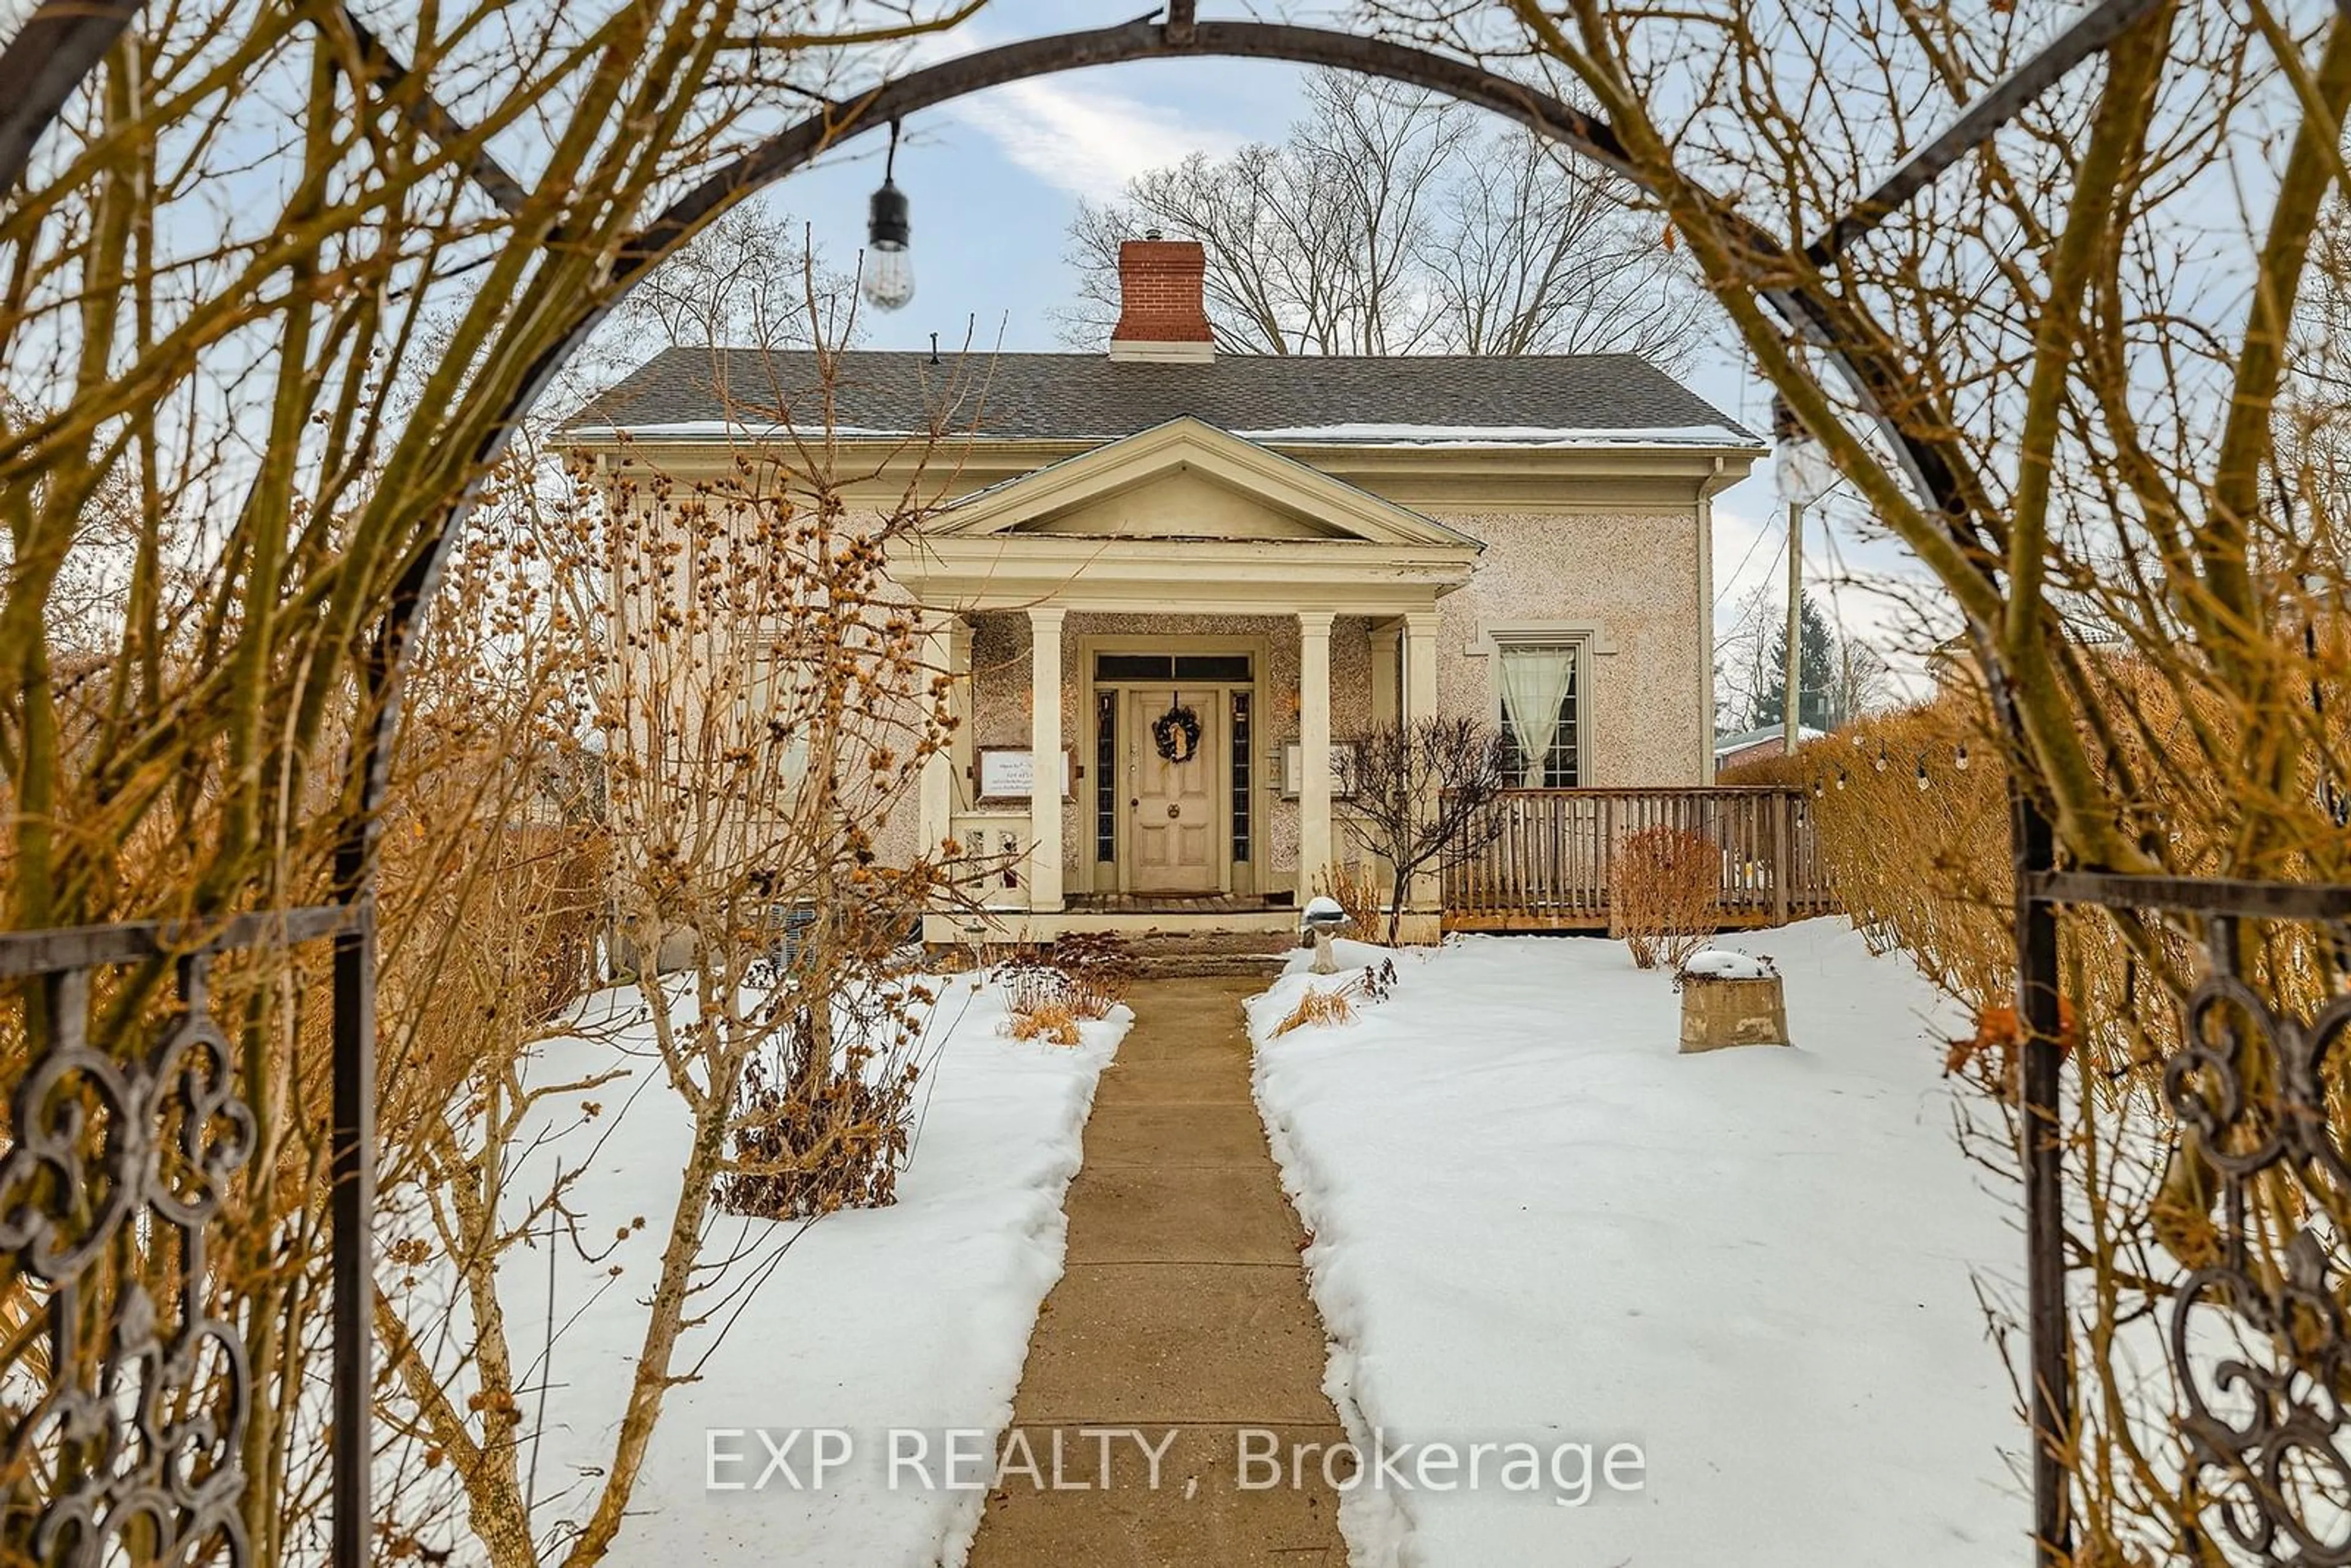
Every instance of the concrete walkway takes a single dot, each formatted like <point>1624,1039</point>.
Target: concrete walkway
<point>1181,1318</point>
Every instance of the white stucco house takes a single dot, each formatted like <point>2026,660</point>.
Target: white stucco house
<point>1219,566</point>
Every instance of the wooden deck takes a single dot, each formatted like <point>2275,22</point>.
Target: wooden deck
<point>1550,868</point>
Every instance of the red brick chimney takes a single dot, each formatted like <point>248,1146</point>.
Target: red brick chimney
<point>1160,312</point>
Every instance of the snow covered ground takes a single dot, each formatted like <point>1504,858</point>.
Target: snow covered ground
<point>915,1316</point>
<point>1747,1274</point>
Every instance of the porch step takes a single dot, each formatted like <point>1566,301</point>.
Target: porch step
<point>1184,955</point>
<point>1196,965</point>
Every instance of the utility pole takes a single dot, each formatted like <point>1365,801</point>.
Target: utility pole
<point>1792,692</point>
<point>1797,463</point>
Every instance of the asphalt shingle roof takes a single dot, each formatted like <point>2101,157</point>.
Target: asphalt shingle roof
<point>1092,397</point>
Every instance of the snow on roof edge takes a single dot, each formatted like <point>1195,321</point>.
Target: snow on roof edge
<point>1506,434</point>
<point>1400,436</point>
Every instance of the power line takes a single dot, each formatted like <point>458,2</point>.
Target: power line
<point>1724,591</point>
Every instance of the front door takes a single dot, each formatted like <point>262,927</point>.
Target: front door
<point>1174,841</point>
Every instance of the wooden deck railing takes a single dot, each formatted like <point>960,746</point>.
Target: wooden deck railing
<point>1549,868</point>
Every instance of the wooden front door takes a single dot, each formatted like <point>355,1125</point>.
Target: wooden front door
<point>1175,838</point>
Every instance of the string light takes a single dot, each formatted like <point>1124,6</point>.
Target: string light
<point>1881,756</point>
<point>1922,770</point>
<point>1816,789</point>
<point>889,271</point>
<point>1961,762</point>
<point>1840,777</point>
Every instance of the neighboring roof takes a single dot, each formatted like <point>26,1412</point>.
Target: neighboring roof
<point>1549,400</point>
<point>1724,745</point>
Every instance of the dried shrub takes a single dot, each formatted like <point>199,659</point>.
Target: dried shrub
<point>1079,975</point>
<point>1031,984</point>
<point>1055,1024</point>
<point>1357,888</point>
<point>1317,1008</point>
<point>821,1126</point>
<point>1373,984</point>
<point>1662,885</point>
<point>1096,969</point>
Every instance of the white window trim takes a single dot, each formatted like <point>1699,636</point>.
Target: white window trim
<point>1590,644</point>
<point>1494,635</point>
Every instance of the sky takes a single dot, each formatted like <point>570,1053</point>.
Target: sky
<point>995,179</point>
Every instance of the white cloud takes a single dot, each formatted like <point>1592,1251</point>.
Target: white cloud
<point>1085,140</point>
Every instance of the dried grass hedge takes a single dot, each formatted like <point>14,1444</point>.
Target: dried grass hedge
<point>1916,846</point>
<point>1944,895</point>
<point>1662,883</point>
<point>1910,809</point>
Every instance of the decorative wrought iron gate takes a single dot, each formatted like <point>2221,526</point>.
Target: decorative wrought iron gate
<point>135,1452</point>
<point>2262,1430</point>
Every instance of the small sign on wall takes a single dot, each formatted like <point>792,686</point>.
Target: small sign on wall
<point>1010,773</point>
<point>1342,769</point>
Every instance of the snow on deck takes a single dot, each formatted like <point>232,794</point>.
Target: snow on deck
<point>1533,1221</point>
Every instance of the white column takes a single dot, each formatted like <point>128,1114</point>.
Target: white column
<point>946,651</point>
<point>1045,750</point>
<point>962,703</point>
<point>1424,895</point>
<point>1386,637</point>
<point>1313,747</point>
<point>1420,666</point>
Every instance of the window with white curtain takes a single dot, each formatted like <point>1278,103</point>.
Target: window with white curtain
<point>1540,687</point>
<point>767,689</point>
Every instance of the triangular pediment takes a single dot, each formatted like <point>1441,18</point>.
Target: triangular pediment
<point>1188,480</point>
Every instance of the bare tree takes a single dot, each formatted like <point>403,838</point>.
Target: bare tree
<point>1843,677</point>
<point>1423,798</point>
<point>752,705</point>
<point>1390,222</point>
<point>753,280</point>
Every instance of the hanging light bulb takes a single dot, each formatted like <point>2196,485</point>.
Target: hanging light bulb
<point>1922,770</point>
<point>1816,789</point>
<point>1840,777</point>
<point>1961,762</point>
<point>888,271</point>
<point>1881,756</point>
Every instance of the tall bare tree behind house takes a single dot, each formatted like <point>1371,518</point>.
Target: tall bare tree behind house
<point>1392,222</point>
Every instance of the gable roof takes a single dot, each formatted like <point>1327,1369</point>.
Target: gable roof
<point>1541,400</point>
<point>1191,446</point>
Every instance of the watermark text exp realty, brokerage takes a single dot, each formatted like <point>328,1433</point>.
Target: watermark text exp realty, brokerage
<point>1103,1459</point>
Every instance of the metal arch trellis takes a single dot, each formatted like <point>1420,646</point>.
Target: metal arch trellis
<point>64,40</point>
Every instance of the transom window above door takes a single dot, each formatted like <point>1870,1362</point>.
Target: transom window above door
<point>1172,667</point>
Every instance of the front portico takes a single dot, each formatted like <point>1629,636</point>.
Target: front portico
<point>1191,618</point>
